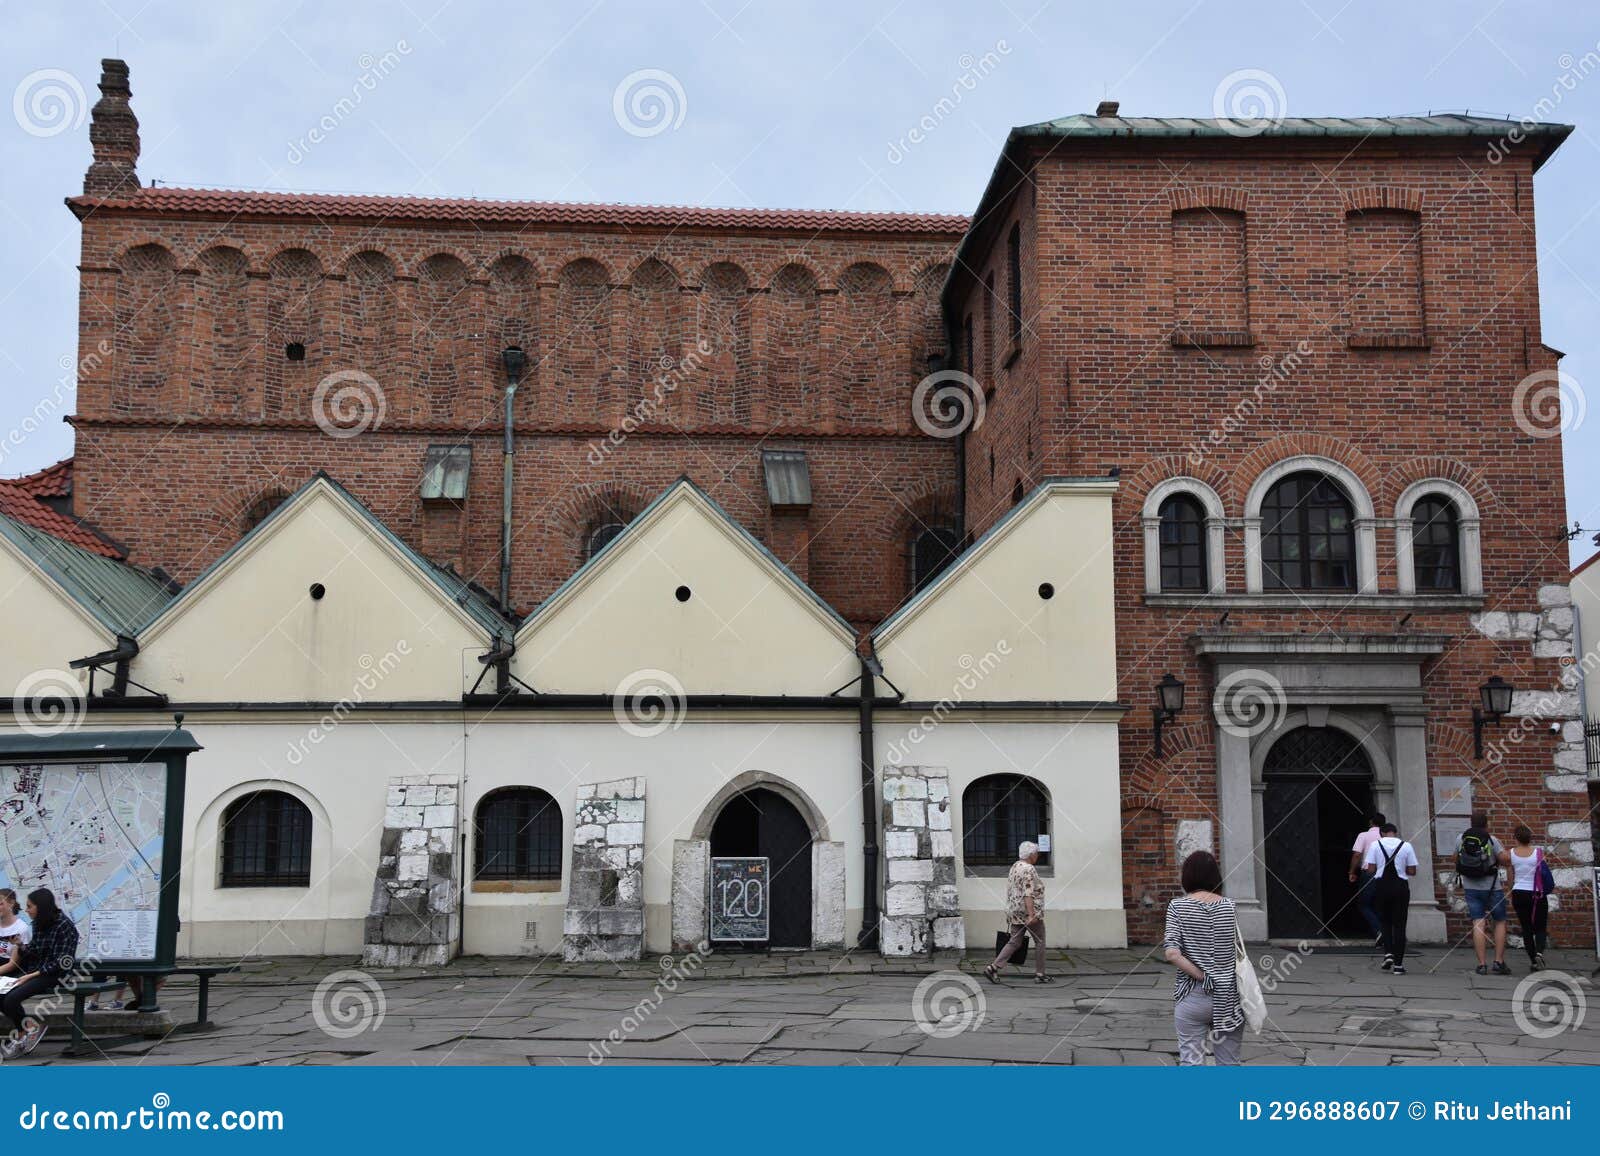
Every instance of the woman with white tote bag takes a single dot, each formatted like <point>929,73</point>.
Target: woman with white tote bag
<point>1216,991</point>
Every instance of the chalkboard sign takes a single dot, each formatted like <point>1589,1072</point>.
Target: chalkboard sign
<point>739,908</point>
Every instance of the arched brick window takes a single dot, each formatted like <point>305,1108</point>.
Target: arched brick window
<point>1384,266</point>
<point>1183,544</point>
<point>1210,302</point>
<point>1436,545</point>
<point>1308,537</point>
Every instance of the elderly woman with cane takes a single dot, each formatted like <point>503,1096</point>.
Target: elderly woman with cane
<point>1024,914</point>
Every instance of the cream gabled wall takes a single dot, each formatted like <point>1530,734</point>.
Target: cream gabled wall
<point>747,628</point>
<point>44,629</point>
<point>1586,638</point>
<point>251,632</point>
<point>983,633</point>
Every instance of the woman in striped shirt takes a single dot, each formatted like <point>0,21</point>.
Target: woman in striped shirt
<point>1201,942</point>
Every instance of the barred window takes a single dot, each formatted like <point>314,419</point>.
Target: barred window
<point>1308,535</point>
<point>1183,544</point>
<point>600,536</point>
<point>998,813</point>
<point>1436,544</point>
<point>266,841</point>
<point>517,835</point>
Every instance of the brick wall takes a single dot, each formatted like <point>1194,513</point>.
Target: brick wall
<point>1411,279</point>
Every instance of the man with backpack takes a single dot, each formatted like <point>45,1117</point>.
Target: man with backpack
<point>1479,857</point>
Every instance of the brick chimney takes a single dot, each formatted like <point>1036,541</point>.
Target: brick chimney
<point>114,133</point>
<point>1106,108</point>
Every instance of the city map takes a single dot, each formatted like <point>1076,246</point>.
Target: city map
<point>91,833</point>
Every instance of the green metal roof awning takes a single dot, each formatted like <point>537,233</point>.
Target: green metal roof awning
<point>25,747</point>
<point>122,597</point>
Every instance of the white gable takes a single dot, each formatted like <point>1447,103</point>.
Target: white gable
<point>983,632</point>
<point>44,628</point>
<point>746,627</point>
<point>249,630</point>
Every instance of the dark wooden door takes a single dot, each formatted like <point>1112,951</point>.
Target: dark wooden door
<point>763,822</point>
<point>1316,799</point>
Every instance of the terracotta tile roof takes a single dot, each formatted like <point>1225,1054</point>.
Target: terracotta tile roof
<point>17,503</point>
<point>51,482</point>
<point>235,202</point>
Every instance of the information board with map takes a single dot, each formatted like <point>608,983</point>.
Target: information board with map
<point>93,834</point>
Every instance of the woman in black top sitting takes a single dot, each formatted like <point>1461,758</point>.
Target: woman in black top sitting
<point>43,965</point>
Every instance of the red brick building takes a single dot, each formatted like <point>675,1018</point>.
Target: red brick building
<point>1298,345</point>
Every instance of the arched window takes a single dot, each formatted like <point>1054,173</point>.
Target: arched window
<point>1183,544</point>
<point>266,841</point>
<point>1436,544</point>
<point>1307,535</point>
<point>517,835</point>
<point>600,535</point>
<point>998,812</point>
<point>932,548</point>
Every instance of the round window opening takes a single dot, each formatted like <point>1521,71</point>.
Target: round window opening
<point>1047,591</point>
<point>681,594</point>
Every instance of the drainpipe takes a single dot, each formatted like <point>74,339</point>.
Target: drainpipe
<point>868,939</point>
<point>513,359</point>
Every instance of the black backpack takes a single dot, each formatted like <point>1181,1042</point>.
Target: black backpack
<point>1475,858</point>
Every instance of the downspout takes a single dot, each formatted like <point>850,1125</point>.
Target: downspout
<point>868,939</point>
<point>508,457</point>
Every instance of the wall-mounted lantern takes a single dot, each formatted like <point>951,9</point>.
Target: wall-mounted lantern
<point>1494,704</point>
<point>1169,704</point>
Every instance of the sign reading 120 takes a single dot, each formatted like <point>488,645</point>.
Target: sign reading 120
<point>739,908</point>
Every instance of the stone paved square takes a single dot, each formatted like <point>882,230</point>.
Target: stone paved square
<point>1106,1008</point>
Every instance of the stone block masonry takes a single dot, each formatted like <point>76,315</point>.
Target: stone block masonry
<point>921,904</point>
<point>415,917</point>
<point>605,906</point>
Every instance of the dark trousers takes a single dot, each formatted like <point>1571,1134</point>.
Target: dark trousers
<point>1392,897</point>
<point>1533,912</point>
<point>1018,930</point>
<point>11,1002</point>
<point>1366,903</point>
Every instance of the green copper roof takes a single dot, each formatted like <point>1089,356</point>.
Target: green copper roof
<point>1357,127</point>
<point>120,596</point>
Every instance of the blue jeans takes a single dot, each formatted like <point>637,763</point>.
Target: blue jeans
<point>1490,904</point>
<point>1366,901</point>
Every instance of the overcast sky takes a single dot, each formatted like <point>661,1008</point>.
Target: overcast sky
<point>789,104</point>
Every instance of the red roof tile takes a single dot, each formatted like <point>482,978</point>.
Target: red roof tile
<point>51,482</point>
<point>234,202</point>
<point>16,502</point>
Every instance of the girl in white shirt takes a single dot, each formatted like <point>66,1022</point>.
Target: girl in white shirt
<point>15,931</point>
<point>1529,900</point>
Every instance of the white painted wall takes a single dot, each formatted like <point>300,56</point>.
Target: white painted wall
<point>43,628</point>
<point>982,631</point>
<point>748,628</point>
<point>249,631</point>
<point>1076,763</point>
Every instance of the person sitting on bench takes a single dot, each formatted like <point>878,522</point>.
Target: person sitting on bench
<point>45,963</point>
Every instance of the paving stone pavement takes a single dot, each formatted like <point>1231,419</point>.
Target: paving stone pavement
<point>1107,1007</point>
